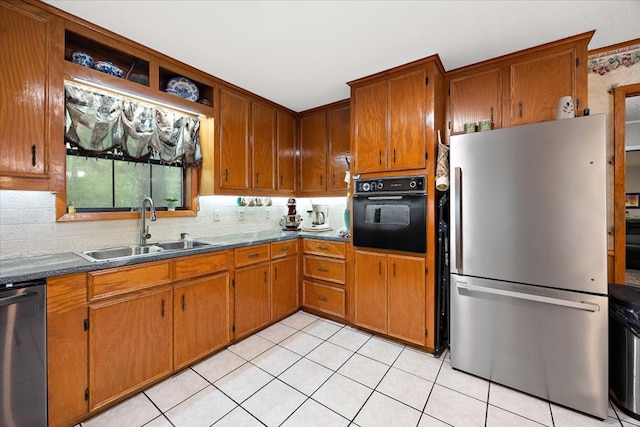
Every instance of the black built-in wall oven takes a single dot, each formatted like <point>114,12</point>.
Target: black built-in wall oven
<point>390,213</point>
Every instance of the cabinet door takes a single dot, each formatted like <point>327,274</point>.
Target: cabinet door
<point>339,147</point>
<point>233,141</point>
<point>130,344</point>
<point>538,84</point>
<point>286,174</point>
<point>406,298</point>
<point>313,151</point>
<point>476,97</point>
<point>407,121</point>
<point>263,130</point>
<point>67,339</point>
<point>201,318</point>
<point>370,128</point>
<point>251,299</point>
<point>370,290</point>
<point>284,287</point>
<point>31,92</point>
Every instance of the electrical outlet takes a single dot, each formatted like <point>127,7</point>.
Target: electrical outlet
<point>240,214</point>
<point>267,213</point>
<point>216,215</point>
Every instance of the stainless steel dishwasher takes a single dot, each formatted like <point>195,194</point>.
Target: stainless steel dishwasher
<point>23,358</point>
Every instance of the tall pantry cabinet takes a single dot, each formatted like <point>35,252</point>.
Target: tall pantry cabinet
<point>395,119</point>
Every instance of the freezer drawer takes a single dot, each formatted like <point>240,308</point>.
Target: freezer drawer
<point>545,342</point>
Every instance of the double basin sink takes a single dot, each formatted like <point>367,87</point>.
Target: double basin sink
<point>134,251</point>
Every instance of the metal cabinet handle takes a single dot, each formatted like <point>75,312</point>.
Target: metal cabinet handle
<point>162,308</point>
<point>394,269</point>
<point>321,298</point>
<point>394,155</point>
<point>257,177</point>
<point>275,273</point>
<point>281,180</point>
<point>183,302</point>
<point>33,155</point>
<point>379,157</point>
<point>253,255</point>
<point>320,179</point>
<point>379,268</point>
<point>586,306</point>
<point>322,269</point>
<point>226,174</point>
<point>265,277</point>
<point>323,248</point>
<point>520,108</point>
<point>491,114</point>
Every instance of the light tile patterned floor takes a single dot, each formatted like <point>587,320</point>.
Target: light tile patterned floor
<point>308,371</point>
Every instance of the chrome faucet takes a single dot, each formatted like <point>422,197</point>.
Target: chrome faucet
<point>144,229</point>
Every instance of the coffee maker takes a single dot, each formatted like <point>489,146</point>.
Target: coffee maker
<point>319,216</point>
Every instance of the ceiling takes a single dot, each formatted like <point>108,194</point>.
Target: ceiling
<point>300,54</point>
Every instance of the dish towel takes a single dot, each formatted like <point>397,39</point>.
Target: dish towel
<point>442,168</point>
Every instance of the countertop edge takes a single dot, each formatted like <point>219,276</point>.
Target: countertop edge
<point>33,268</point>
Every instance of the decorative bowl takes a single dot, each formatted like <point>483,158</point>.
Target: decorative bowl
<point>107,67</point>
<point>184,88</point>
<point>140,79</point>
<point>82,58</point>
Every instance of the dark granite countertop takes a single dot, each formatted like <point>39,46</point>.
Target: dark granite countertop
<point>32,268</point>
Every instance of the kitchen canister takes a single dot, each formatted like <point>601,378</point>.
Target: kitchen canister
<point>469,127</point>
<point>484,125</point>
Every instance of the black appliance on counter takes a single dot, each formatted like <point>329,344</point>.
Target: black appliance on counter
<point>390,213</point>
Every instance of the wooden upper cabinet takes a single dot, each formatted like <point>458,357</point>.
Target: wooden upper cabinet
<point>395,116</point>
<point>538,84</point>
<point>286,152</point>
<point>263,158</point>
<point>233,141</point>
<point>476,97</point>
<point>324,148</point>
<point>339,147</point>
<point>522,87</point>
<point>31,98</point>
<point>407,121</point>
<point>313,152</point>
<point>370,127</point>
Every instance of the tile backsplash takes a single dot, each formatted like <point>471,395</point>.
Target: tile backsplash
<point>28,226</point>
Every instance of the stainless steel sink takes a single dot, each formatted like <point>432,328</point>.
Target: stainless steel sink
<point>121,252</point>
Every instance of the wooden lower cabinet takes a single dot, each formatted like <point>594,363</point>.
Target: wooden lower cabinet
<point>284,287</point>
<point>251,299</point>
<point>390,295</point>
<point>130,343</point>
<point>201,318</point>
<point>67,361</point>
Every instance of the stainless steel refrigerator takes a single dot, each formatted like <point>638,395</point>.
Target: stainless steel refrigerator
<point>528,258</point>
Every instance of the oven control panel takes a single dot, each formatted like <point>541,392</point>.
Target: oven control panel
<point>390,185</point>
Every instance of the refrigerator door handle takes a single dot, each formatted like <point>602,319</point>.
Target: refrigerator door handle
<point>586,306</point>
<point>458,217</point>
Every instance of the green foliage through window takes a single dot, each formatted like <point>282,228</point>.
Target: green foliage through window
<point>109,184</point>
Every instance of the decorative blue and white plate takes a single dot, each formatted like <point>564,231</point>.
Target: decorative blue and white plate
<point>184,88</point>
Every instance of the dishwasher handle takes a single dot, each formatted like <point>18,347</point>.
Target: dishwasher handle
<point>16,299</point>
<point>586,306</point>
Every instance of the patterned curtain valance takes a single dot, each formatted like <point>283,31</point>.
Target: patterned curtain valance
<point>98,122</point>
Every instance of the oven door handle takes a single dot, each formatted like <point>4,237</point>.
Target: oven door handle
<point>384,197</point>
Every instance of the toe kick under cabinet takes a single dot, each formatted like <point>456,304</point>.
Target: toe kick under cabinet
<point>324,285</point>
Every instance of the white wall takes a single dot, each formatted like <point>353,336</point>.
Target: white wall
<point>28,226</point>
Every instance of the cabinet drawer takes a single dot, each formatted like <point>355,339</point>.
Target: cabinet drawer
<point>280,249</point>
<point>198,265</point>
<point>331,270</point>
<point>324,298</point>
<point>106,283</point>
<point>325,248</point>
<point>251,255</point>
